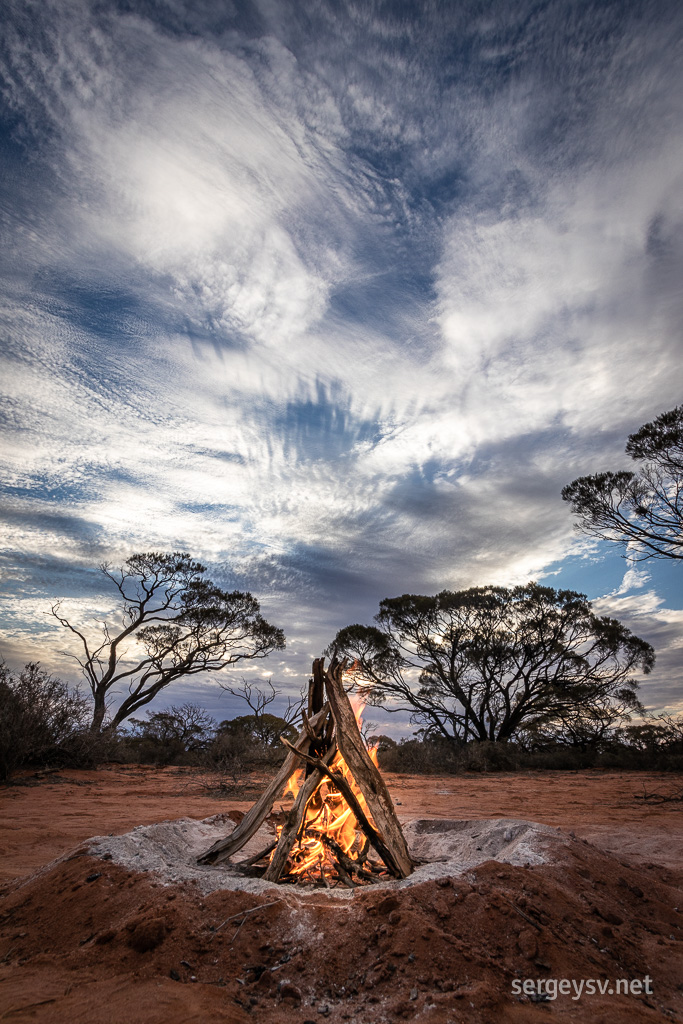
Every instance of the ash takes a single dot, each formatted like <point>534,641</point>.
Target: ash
<point>442,847</point>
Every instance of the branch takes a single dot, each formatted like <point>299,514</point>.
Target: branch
<point>345,789</point>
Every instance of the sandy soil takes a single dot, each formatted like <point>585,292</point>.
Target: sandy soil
<point>85,940</point>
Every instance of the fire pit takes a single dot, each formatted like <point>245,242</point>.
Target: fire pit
<point>342,829</point>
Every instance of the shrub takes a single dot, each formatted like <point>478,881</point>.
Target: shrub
<point>42,720</point>
<point>237,751</point>
<point>489,756</point>
<point>419,757</point>
<point>176,736</point>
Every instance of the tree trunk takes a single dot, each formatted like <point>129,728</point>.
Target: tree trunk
<point>98,714</point>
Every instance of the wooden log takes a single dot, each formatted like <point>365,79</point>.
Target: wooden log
<point>317,691</point>
<point>320,743</point>
<point>343,876</point>
<point>309,729</point>
<point>346,866</point>
<point>257,856</point>
<point>316,701</point>
<point>254,818</point>
<point>365,774</point>
<point>329,729</point>
<point>294,821</point>
<point>361,817</point>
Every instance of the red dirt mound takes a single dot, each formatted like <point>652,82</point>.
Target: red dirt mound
<point>86,940</point>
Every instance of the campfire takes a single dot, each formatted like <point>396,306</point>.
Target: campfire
<point>342,828</point>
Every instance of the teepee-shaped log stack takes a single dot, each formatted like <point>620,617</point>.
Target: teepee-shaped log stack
<point>329,730</point>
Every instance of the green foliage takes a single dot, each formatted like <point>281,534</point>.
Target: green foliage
<point>420,757</point>
<point>656,745</point>
<point>263,728</point>
<point>381,743</point>
<point>175,736</point>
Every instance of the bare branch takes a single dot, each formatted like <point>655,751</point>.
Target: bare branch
<point>184,623</point>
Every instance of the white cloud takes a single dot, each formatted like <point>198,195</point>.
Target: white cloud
<point>634,579</point>
<point>547,314</point>
<point>647,617</point>
<point>272,216</point>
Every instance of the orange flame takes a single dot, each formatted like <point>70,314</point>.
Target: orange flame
<point>327,813</point>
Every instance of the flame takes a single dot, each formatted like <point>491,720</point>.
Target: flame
<point>327,814</point>
<point>294,784</point>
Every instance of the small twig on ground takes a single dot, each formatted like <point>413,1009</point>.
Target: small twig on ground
<point>245,914</point>
<point>657,797</point>
<point>526,917</point>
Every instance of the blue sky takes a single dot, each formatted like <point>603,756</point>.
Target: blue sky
<point>336,297</point>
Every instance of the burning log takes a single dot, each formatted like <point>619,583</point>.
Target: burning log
<point>254,818</point>
<point>340,782</point>
<point>366,774</point>
<point>292,827</point>
<point>346,866</point>
<point>385,852</point>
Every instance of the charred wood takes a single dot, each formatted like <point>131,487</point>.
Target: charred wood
<point>292,827</point>
<point>365,773</point>
<point>345,789</point>
<point>254,818</point>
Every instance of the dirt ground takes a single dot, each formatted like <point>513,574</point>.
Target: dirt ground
<point>82,940</point>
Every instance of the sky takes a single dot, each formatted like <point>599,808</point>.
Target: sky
<point>336,297</point>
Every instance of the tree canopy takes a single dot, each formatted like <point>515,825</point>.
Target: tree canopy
<point>174,623</point>
<point>263,728</point>
<point>481,663</point>
<point>644,509</point>
<point>186,726</point>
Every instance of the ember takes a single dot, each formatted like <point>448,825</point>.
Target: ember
<point>342,828</point>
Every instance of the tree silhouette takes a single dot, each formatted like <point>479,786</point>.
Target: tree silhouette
<point>481,663</point>
<point>186,726</point>
<point>174,623</point>
<point>645,509</point>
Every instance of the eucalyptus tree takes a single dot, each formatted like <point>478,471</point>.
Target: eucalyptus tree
<point>482,663</point>
<point>173,623</point>
<point>643,510</point>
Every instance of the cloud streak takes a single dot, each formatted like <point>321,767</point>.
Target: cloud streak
<point>339,302</point>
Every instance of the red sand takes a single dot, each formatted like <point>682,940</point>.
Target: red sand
<point>122,948</point>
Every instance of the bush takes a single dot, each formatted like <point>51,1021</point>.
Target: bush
<point>489,756</point>
<point>42,721</point>
<point>135,749</point>
<point>439,757</point>
<point>558,757</point>
<point>178,736</point>
<point>419,757</point>
<point>237,751</point>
